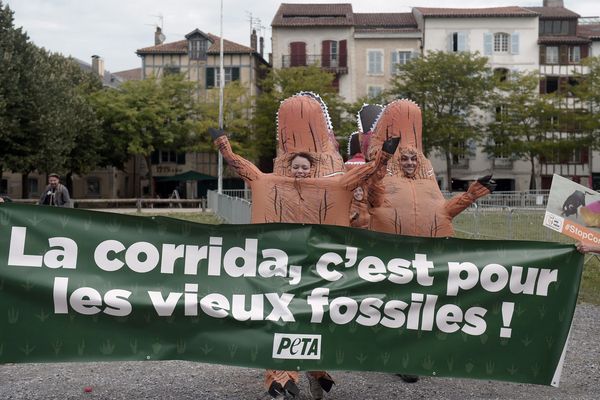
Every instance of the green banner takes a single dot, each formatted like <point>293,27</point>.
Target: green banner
<point>80,286</point>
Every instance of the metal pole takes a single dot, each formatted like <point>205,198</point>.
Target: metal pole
<point>221,85</point>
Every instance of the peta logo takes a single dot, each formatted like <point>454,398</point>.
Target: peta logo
<point>297,347</point>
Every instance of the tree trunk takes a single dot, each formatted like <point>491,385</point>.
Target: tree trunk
<point>448,171</point>
<point>532,185</point>
<point>69,182</point>
<point>148,160</point>
<point>25,186</point>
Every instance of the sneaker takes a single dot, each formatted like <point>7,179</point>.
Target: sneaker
<point>315,389</point>
<point>409,378</point>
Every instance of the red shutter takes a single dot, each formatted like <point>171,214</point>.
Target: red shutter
<point>542,55</point>
<point>298,54</point>
<point>343,54</point>
<point>585,51</point>
<point>585,155</point>
<point>563,55</point>
<point>326,53</point>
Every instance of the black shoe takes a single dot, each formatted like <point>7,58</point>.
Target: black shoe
<point>409,378</point>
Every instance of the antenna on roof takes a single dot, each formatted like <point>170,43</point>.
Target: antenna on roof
<point>161,18</point>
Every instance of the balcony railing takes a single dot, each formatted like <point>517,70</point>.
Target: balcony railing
<point>333,63</point>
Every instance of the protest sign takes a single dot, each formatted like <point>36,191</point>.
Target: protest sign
<point>80,286</point>
<point>573,210</point>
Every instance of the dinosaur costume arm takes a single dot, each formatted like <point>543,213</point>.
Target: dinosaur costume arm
<point>373,171</point>
<point>245,169</point>
<point>460,202</point>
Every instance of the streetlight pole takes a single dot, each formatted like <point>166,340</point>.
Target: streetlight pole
<point>221,85</point>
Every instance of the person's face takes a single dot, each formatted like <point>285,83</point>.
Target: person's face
<point>53,181</point>
<point>408,163</point>
<point>359,194</point>
<point>300,167</point>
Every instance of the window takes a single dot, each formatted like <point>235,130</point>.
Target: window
<point>213,76</point>
<point>458,42</point>
<point>375,62</point>
<point>552,55</point>
<point>400,58</point>
<point>374,91</point>
<point>551,84</point>
<point>198,48</point>
<point>167,156</point>
<point>501,74</point>
<point>32,186</point>
<point>574,54</point>
<point>93,187</point>
<point>501,41</point>
<point>172,69</point>
<point>334,53</point>
<point>3,186</point>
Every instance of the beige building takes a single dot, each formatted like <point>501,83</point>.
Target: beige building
<point>361,49</point>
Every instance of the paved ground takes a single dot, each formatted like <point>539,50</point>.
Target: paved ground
<point>187,380</point>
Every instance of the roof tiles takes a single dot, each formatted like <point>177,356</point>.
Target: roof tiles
<point>512,11</point>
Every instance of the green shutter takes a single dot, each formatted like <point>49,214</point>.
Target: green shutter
<point>210,77</point>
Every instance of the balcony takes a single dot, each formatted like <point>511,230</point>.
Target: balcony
<point>331,63</point>
<point>503,163</point>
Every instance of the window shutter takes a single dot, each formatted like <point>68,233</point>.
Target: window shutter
<point>488,41</point>
<point>210,77</point>
<point>326,53</point>
<point>542,55</point>
<point>235,74</point>
<point>543,86</point>
<point>514,43</point>
<point>585,156</point>
<point>563,55</point>
<point>394,62</point>
<point>154,158</point>
<point>584,51</point>
<point>343,61</point>
<point>462,41</point>
<point>298,54</point>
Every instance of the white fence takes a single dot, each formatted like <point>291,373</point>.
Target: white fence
<point>234,210</point>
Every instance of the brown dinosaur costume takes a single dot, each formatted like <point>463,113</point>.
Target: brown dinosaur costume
<point>303,127</point>
<point>412,203</point>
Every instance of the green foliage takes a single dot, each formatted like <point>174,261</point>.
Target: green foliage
<point>588,91</point>
<point>523,122</point>
<point>279,85</point>
<point>46,122</point>
<point>237,111</point>
<point>451,88</point>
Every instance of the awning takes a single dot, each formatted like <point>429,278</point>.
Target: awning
<point>186,176</point>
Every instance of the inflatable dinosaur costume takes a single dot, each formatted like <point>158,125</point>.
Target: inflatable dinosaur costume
<point>408,200</point>
<point>303,130</point>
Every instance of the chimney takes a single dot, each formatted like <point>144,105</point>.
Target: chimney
<point>253,40</point>
<point>98,66</point>
<point>262,46</point>
<point>159,37</point>
<point>554,3</point>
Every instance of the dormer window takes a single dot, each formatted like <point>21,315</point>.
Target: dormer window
<point>198,44</point>
<point>198,48</point>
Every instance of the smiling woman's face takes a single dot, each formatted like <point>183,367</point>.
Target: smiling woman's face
<point>300,167</point>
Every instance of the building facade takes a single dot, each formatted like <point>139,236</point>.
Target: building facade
<point>547,39</point>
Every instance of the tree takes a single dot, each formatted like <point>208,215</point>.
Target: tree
<point>526,123</point>
<point>148,115</point>
<point>587,91</point>
<point>451,89</point>
<point>278,85</point>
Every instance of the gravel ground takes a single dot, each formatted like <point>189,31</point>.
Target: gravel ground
<point>187,380</point>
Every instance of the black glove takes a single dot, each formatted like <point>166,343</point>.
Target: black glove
<point>390,145</point>
<point>216,133</point>
<point>488,182</point>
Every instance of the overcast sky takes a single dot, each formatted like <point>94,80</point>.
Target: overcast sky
<point>115,29</point>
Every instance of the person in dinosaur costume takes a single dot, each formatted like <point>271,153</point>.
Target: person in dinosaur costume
<point>312,188</point>
<point>408,200</point>
<point>358,143</point>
